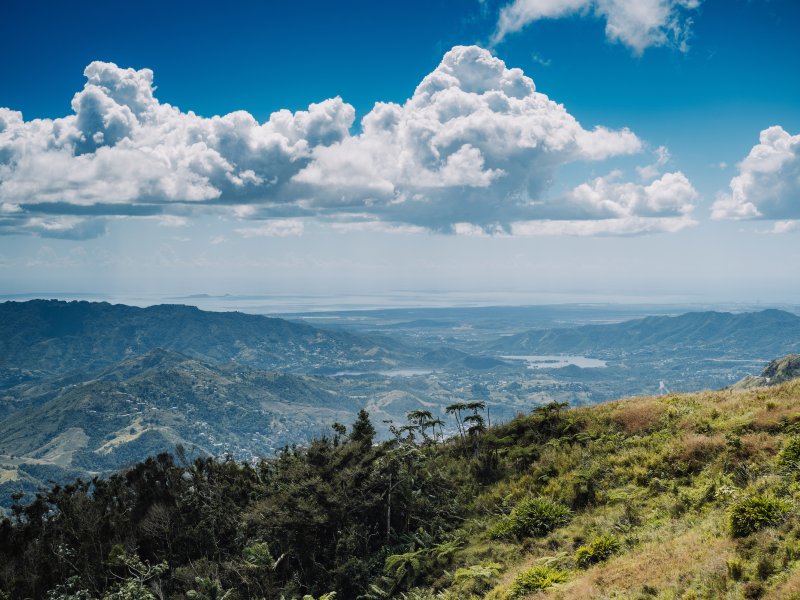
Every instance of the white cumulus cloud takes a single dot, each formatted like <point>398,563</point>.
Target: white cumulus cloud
<point>638,24</point>
<point>476,143</point>
<point>616,207</point>
<point>474,149</point>
<point>768,182</point>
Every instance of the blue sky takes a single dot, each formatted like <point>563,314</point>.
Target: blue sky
<point>568,149</point>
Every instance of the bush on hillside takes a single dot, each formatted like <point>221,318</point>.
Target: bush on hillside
<point>754,513</point>
<point>535,579</point>
<point>476,580</point>
<point>789,458</point>
<point>599,549</point>
<point>533,517</point>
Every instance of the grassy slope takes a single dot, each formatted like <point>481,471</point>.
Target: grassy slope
<point>661,475</point>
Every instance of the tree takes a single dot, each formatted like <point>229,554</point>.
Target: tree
<point>362,432</point>
<point>422,419</point>
<point>456,409</point>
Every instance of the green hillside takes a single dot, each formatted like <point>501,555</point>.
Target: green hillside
<point>679,496</point>
<point>55,337</point>
<point>148,404</point>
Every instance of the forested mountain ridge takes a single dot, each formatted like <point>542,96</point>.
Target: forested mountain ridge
<point>149,403</point>
<point>678,496</point>
<point>56,337</point>
<point>760,334</point>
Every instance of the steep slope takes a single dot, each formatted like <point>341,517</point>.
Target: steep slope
<point>778,371</point>
<point>693,496</point>
<point>56,337</point>
<point>746,335</point>
<point>149,403</point>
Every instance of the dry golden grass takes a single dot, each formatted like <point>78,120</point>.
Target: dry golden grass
<point>760,445</point>
<point>637,416</point>
<point>673,521</point>
<point>698,447</point>
<point>669,562</point>
<point>774,417</point>
<point>788,590</point>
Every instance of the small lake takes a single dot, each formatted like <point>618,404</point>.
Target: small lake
<point>558,362</point>
<point>389,373</point>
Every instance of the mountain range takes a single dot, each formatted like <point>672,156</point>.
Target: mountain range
<point>57,337</point>
<point>87,388</point>
<point>764,334</point>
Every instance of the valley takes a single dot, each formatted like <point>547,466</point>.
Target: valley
<point>89,388</point>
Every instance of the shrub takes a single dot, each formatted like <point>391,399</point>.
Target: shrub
<point>535,579</point>
<point>789,458</point>
<point>599,549</point>
<point>764,568</point>
<point>754,513</point>
<point>475,580</point>
<point>533,517</point>
<point>735,569</point>
<point>752,590</point>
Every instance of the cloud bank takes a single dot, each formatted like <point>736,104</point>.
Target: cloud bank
<point>474,149</point>
<point>768,183</point>
<point>637,24</point>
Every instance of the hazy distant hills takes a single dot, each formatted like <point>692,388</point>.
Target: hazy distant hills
<point>185,399</point>
<point>152,402</point>
<point>57,337</point>
<point>87,388</point>
<point>763,334</point>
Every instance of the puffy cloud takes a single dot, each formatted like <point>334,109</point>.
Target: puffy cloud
<point>638,24</point>
<point>122,145</point>
<point>768,183</point>
<point>608,206</point>
<point>475,149</point>
<point>672,195</point>
<point>476,143</point>
<point>786,226</point>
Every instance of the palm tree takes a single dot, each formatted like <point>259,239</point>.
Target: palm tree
<point>456,409</point>
<point>477,424</point>
<point>433,423</point>
<point>422,419</point>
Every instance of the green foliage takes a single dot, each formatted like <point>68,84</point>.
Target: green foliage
<point>257,556</point>
<point>789,458</point>
<point>70,590</point>
<point>207,588</point>
<point>735,569</point>
<point>599,549</point>
<point>362,432</point>
<point>756,512</point>
<point>533,517</point>
<point>134,587</point>
<point>406,568</point>
<point>535,579</point>
<point>476,580</point>
<point>413,518</point>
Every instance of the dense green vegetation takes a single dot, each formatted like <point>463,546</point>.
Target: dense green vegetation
<point>684,496</point>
